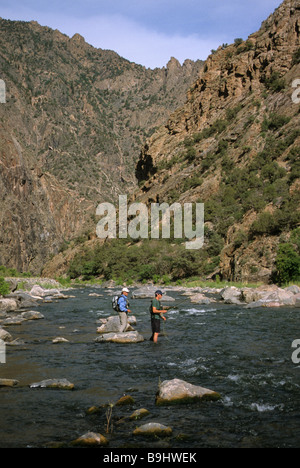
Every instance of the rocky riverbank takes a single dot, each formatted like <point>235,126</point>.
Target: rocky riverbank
<point>15,307</point>
<point>262,296</point>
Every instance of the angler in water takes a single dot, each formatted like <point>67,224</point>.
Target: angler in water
<point>156,312</point>
<point>123,309</point>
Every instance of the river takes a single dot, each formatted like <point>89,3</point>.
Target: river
<point>243,354</point>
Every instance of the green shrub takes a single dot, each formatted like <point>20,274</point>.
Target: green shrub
<point>264,224</point>
<point>274,122</point>
<point>275,83</point>
<point>287,264</point>
<point>4,287</point>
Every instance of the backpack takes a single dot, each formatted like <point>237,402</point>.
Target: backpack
<point>115,304</point>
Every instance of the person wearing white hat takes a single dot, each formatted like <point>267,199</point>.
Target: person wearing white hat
<point>123,309</point>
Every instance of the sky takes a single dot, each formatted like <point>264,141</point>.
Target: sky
<point>148,32</point>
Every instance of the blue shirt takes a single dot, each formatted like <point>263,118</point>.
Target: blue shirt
<point>122,302</point>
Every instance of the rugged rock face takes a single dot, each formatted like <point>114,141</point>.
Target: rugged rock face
<point>71,129</point>
<point>235,147</point>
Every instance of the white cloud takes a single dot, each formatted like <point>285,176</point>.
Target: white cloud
<point>128,38</point>
<point>141,45</point>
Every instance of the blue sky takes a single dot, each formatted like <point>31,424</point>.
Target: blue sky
<point>148,32</point>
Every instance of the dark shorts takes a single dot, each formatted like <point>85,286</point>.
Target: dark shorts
<point>155,324</point>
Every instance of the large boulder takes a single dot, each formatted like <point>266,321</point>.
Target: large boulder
<point>8,304</point>
<point>270,296</point>
<point>113,325</point>
<point>25,300</point>
<point>125,337</point>
<point>199,298</point>
<point>231,295</point>
<point>148,292</point>
<point>5,336</point>
<point>179,391</point>
<point>38,291</point>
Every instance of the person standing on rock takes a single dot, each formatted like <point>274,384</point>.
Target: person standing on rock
<point>156,312</point>
<point>123,309</point>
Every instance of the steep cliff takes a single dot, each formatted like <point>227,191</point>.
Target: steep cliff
<point>71,131</point>
<point>235,146</point>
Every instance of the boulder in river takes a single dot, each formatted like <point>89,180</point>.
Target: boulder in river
<point>91,439</point>
<point>125,337</point>
<point>153,429</point>
<point>60,339</point>
<point>269,296</point>
<point>8,304</point>
<point>231,295</point>
<point>125,400</point>
<point>5,335</point>
<point>179,391</point>
<point>139,413</point>
<point>53,383</point>
<point>149,293</point>
<point>200,299</point>
<point>32,315</point>
<point>8,382</point>
<point>113,324</point>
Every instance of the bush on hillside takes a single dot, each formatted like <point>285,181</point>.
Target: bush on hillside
<point>4,287</point>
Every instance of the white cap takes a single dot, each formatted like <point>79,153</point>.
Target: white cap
<point>125,290</point>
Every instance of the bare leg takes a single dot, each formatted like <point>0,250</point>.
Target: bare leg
<point>155,336</point>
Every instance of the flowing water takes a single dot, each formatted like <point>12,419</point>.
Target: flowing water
<point>244,354</point>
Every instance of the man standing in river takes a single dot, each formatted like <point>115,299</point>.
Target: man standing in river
<point>156,312</point>
<point>123,309</point>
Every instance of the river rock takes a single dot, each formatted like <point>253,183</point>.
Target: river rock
<point>297,299</point>
<point>153,429</point>
<point>112,324</point>
<point>91,439</point>
<point>32,315</point>
<point>126,337</point>
<point>37,290</point>
<point>8,304</point>
<point>5,336</point>
<point>231,295</point>
<point>8,382</point>
<point>15,320</point>
<point>60,339</point>
<point>200,299</point>
<point>294,289</point>
<point>24,299</point>
<point>139,413</point>
<point>271,296</point>
<point>149,293</point>
<point>125,400</point>
<point>179,391</point>
<point>53,383</point>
